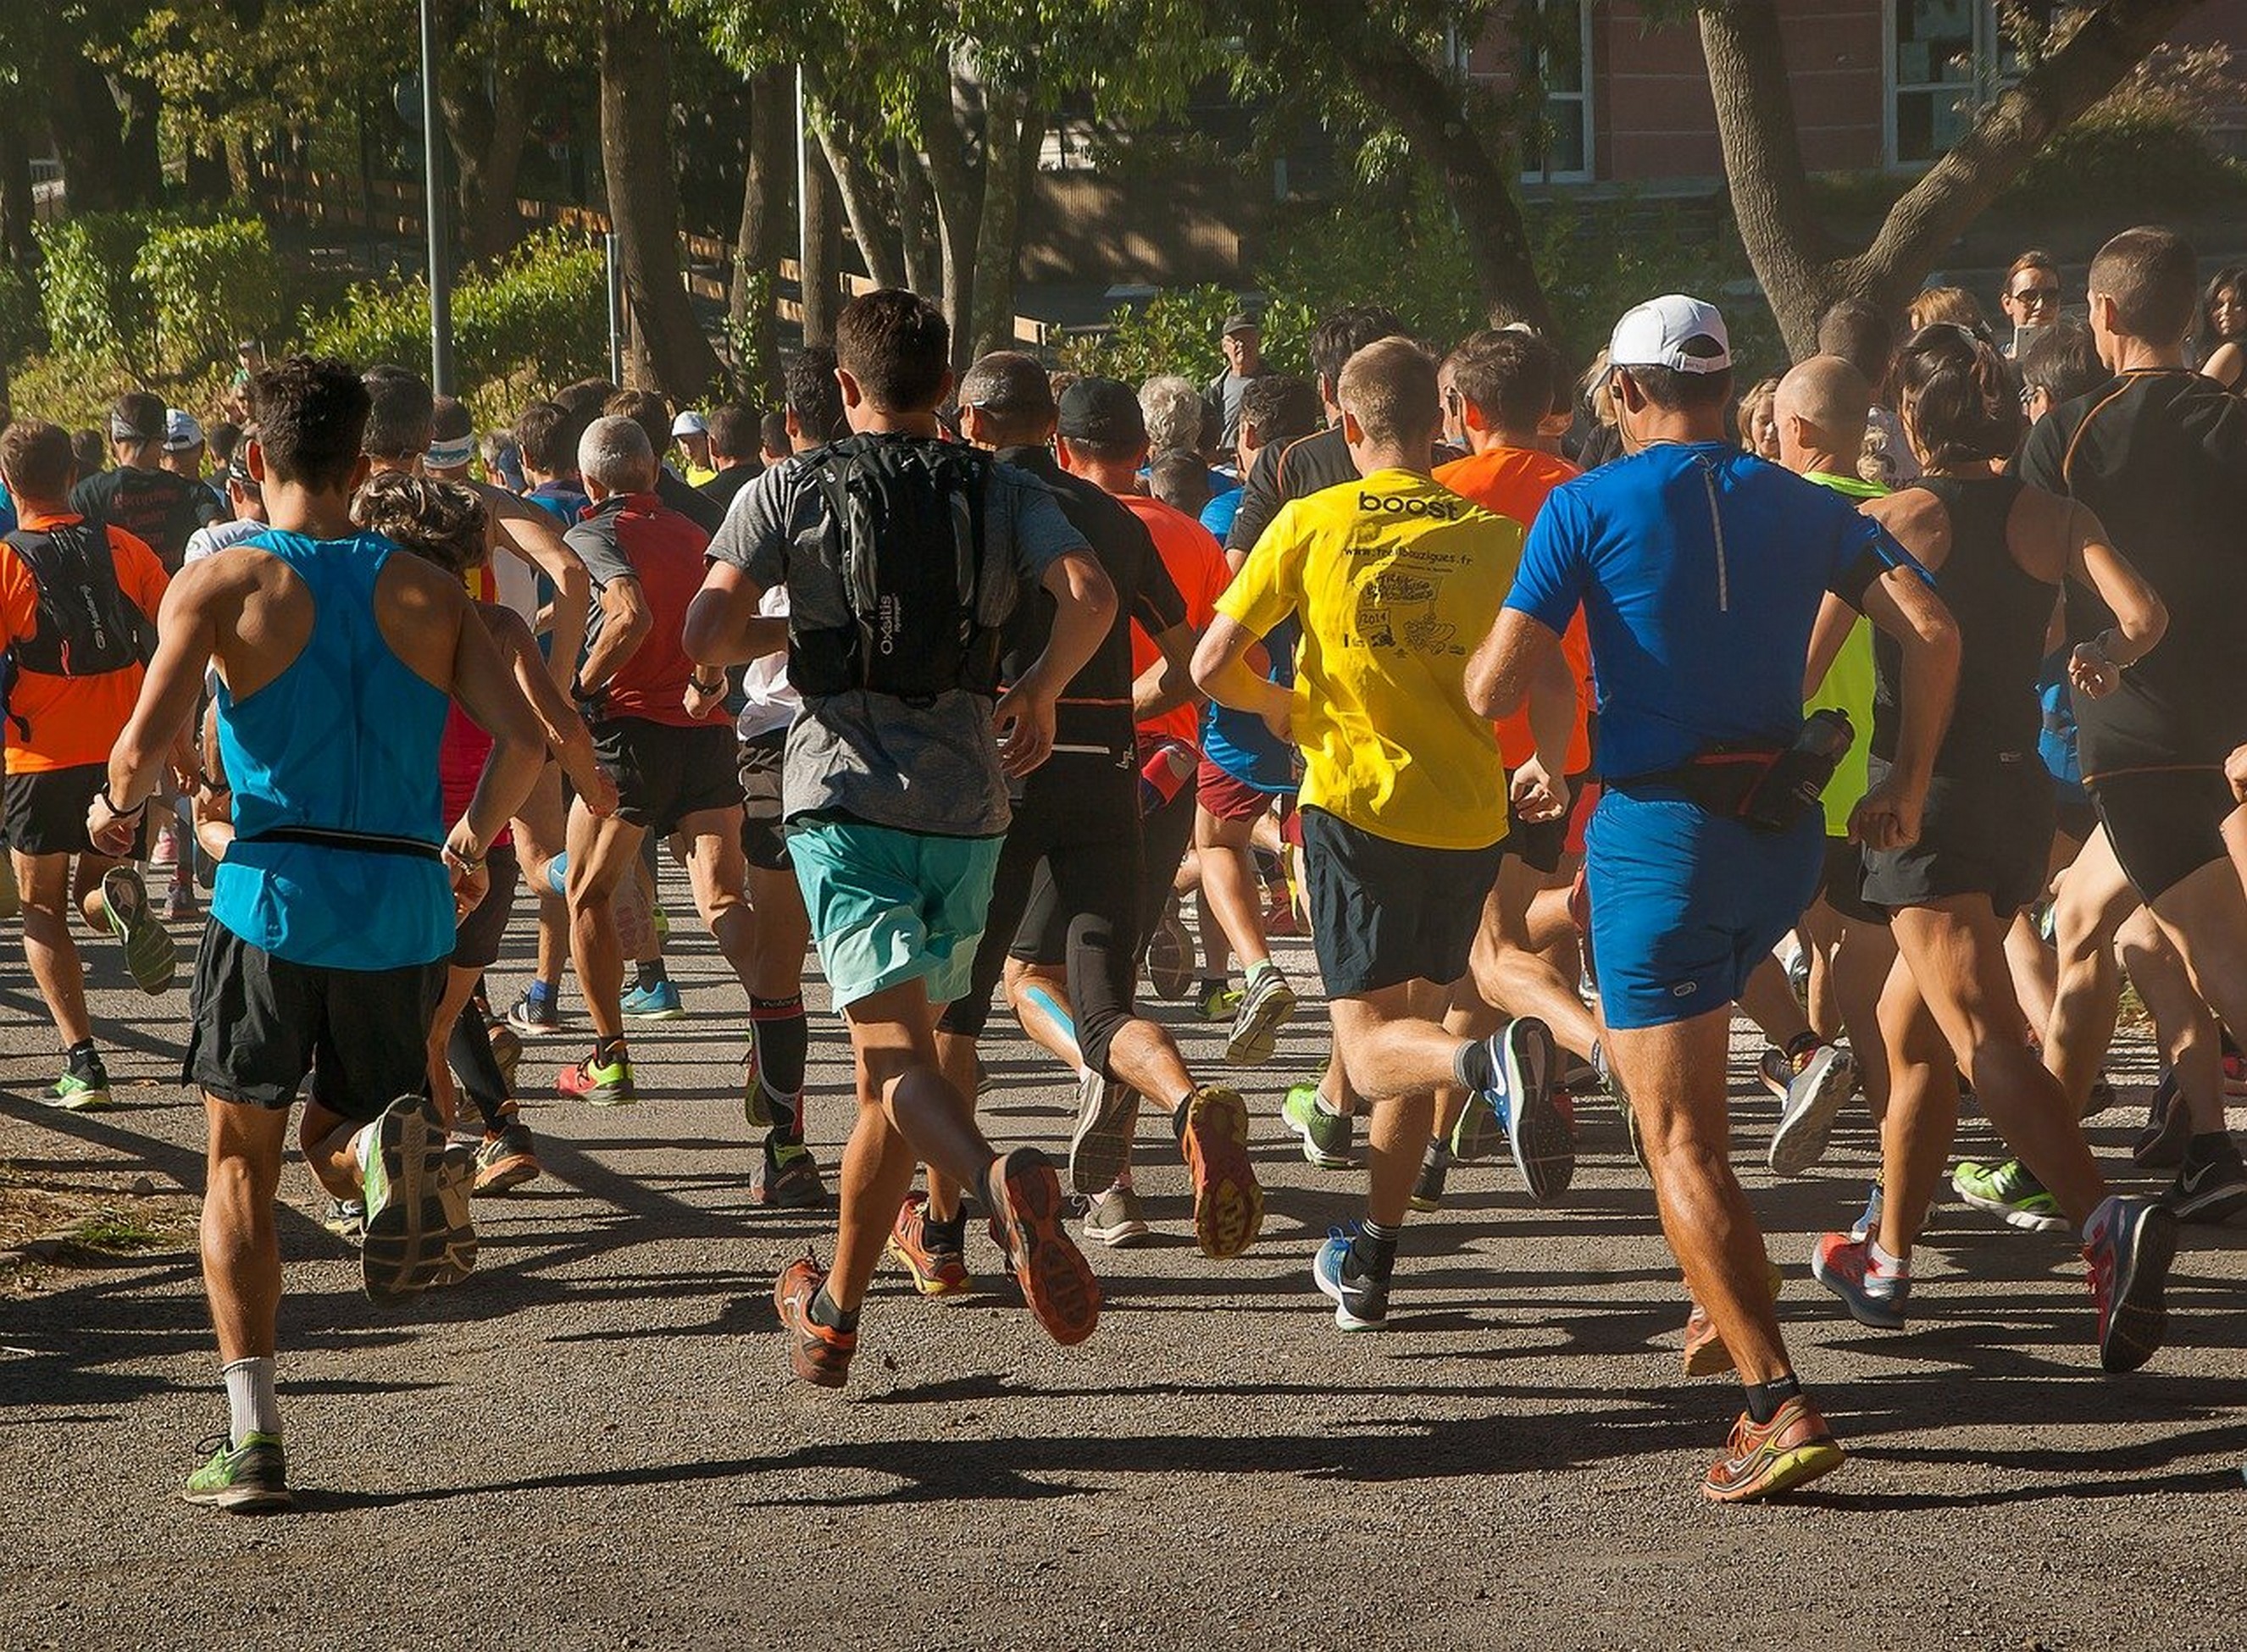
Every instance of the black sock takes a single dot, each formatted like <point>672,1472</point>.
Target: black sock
<point>1474,1067</point>
<point>2204,1147</point>
<point>946,1235</point>
<point>1439,1150</point>
<point>824,1312</point>
<point>1766,1398</point>
<point>1211,984</point>
<point>986,1185</point>
<point>83,1058</point>
<point>610,1049</point>
<point>1373,1253</point>
<point>468,1049</point>
<point>648,975</point>
<point>1181,1113</point>
<point>1803,1043</point>
<point>783,1038</point>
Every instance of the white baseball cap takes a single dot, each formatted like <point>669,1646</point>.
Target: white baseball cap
<point>689,424</point>
<point>1654,334</point>
<point>181,432</point>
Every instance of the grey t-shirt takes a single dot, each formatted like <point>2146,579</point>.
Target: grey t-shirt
<point>933,769</point>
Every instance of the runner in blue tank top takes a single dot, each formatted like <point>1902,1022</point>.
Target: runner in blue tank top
<point>334,907</point>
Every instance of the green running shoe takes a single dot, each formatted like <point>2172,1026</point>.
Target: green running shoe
<point>1220,1003</point>
<point>2008,1190</point>
<point>416,1185</point>
<point>603,1083</point>
<point>249,1479</point>
<point>1327,1137</point>
<point>86,1092</point>
<point>149,952</point>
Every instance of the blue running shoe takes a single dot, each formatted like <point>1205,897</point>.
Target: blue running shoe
<point>656,1003</point>
<point>1539,1134</point>
<point>1360,1304</point>
<point>2129,1244</point>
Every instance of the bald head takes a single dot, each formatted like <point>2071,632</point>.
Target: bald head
<point>1006,400</point>
<point>1821,409</point>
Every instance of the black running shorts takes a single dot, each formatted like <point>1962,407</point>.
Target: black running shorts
<point>45,812</point>
<point>663,773</point>
<point>2165,823</point>
<point>259,1025</point>
<point>1383,913</point>
<point>1985,834</point>
<point>758,768</point>
<point>477,944</point>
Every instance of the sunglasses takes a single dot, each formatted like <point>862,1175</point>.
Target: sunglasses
<point>2035,295</point>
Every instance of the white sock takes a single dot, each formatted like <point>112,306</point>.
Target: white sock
<point>2098,1221</point>
<point>250,1398</point>
<point>1894,1266</point>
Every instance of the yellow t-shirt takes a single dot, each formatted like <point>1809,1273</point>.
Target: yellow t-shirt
<point>1396,580</point>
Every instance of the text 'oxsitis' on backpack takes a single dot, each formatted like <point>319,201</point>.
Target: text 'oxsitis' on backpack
<point>906,532</point>
<point>86,626</point>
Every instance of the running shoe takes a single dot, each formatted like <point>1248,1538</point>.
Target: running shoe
<point>149,952</point>
<point>1361,1304</point>
<point>1612,1082</point>
<point>1266,1004</point>
<point>1100,1145</point>
<point>1845,1266</point>
<point>1428,1186</point>
<point>1116,1218</point>
<point>505,1158</point>
<point>2129,1244</point>
<point>1537,1133</point>
<point>1821,1078</point>
<point>2235,1073</point>
<point>1762,1460</point>
<point>539,1020</point>
<point>2008,1190</point>
<point>249,1479</point>
<point>1706,1354</point>
<point>602,1084</point>
<point>1228,1202</point>
<point>1058,1285</point>
<point>2209,1191</point>
<point>2161,1145</point>
<point>1868,1220</point>
<point>786,1177</point>
<point>1220,1002</point>
<point>1169,954</point>
<point>656,1003</point>
<point>1326,1135</point>
<point>506,1048</point>
<point>347,1219</point>
<point>419,1230</point>
<point>178,902</point>
<point>1471,1132</point>
<point>820,1353</point>
<point>937,1270</point>
<point>86,1092</point>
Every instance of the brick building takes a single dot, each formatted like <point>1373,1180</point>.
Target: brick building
<point>1878,85</point>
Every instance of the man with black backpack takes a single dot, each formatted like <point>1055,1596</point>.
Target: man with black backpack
<point>77,607</point>
<point>904,556</point>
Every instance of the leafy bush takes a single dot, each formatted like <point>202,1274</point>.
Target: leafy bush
<point>1177,332</point>
<point>93,305</point>
<point>2145,146</point>
<point>22,329</point>
<point>74,391</point>
<point>209,285</point>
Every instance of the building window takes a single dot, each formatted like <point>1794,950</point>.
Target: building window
<point>1946,59</point>
<point>1557,54</point>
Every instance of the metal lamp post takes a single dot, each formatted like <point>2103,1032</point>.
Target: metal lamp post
<point>433,171</point>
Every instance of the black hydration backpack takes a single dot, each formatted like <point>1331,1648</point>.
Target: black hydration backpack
<point>904,532</point>
<point>85,625</point>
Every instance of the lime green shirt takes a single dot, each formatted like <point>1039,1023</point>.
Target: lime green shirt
<point>1849,688</point>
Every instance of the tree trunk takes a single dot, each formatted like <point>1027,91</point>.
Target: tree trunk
<point>488,133</point>
<point>1428,110</point>
<point>860,191</point>
<point>668,351</point>
<point>916,220</point>
<point>1802,269</point>
<point>820,257</point>
<point>764,235</point>
<point>959,193</point>
<point>1013,124</point>
<point>19,248</point>
<point>88,133</point>
<point>142,179</point>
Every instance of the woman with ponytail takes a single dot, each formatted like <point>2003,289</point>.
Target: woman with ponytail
<point>1999,552</point>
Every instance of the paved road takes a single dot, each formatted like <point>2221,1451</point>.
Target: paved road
<point>594,1442</point>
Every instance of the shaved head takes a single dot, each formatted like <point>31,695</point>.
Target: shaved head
<point>1012,393</point>
<point>1820,408</point>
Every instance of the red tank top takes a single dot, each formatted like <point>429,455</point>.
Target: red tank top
<point>460,765</point>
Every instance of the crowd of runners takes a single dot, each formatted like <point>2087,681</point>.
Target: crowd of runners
<point>1893,703</point>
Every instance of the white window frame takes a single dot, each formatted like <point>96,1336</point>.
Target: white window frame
<point>1988,79</point>
<point>1581,99</point>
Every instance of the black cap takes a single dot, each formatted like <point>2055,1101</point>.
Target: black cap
<point>1238,321</point>
<point>1103,410</point>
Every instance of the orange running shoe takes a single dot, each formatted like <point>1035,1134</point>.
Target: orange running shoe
<point>820,1353</point>
<point>937,1271</point>
<point>1228,1203</point>
<point>1057,1282</point>
<point>1763,1459</point>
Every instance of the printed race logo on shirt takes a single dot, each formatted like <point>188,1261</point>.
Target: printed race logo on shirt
<point>1393,505</point>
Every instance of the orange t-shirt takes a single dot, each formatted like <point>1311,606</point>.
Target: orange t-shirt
<point>1512,481</point>
<point>1197,566</point>
<point>73,720</point>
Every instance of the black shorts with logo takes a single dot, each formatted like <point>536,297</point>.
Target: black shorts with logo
<point>1383,913</point>
<point>760,758</point>
<point>45,812</point>
<point>259,1025</point>
<point>665,773</point>
<point>1982,834</point>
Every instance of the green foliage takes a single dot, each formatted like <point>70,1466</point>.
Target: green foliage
<point>22,327</point>
<point>93,305</point>
<point>75,391</point>
<point>537,320</point>
<point>209,285</point>
<point>1177,333</point>
<point>2142,161</point>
